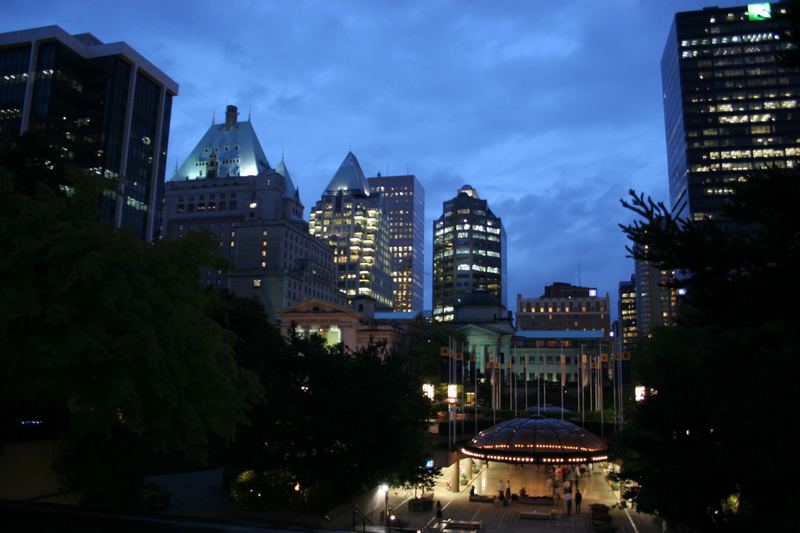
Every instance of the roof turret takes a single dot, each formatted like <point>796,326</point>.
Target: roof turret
<point>290,191</point>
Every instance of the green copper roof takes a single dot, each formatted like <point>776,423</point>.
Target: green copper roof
<point>349,177</point>
<point>233,147</point>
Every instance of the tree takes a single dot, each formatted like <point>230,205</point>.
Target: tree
<point>107,335</point>
<point>709,443</point>
<point>335,424</point>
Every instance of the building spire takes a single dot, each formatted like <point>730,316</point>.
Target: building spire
<point>249,112</point>
<point>212,117</point>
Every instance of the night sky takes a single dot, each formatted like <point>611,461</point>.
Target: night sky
<point>552,110</point>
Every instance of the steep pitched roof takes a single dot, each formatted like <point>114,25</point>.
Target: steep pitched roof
<point>349,177</point>
<point>291,190</point>
<point>236,149</point>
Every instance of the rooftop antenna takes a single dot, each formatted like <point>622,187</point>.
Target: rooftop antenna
<point>212,117</point>
<point>282,147</point>
<point>249,112</point>
<point>407,172</point>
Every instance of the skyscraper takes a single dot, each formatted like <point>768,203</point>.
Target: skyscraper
<point>627,315</point>
<point>469,245</point>
<point>729,104</point>
<point>227,187</point>
<point>404,204</point>
<point>350,217</point>
<point>104,106</point>
<point>656,303</point>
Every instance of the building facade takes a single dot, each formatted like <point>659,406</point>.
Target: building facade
<point>730,107</point>
<point>656,301</point>
<point>628,320</point>
<point>564,307</point>
<point>104,106</point>
<point>469,252</point>
<point>354,328</point>
<point>227,187</point>
<point>404,205</point>
<point>350,217</point>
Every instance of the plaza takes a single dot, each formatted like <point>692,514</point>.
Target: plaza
<point>496,517</point>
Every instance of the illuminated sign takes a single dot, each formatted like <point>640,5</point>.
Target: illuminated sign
<point>761,11</point>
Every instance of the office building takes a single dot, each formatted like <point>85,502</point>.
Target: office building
<point>227,187</point>
<point>730,107</point>
<point>350,217</point>
<point>469,245</point>
<point>627,321</point>
<point>656,300</point>
<point>404,205</point>
<point>564,307</point>
<point>104,106</point>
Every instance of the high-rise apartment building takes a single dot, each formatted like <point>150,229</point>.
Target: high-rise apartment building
<point>350,217</point>
<point>564,307</point>
<point>104,106</point>
<point>730,107</point>
<point>469,245</point>
<point>227,187</point>
<point>404,206</point>
<point>627,315</point>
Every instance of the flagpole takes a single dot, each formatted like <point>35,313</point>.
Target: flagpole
<point>526,385</point>
<point>475,380</point>
<point>463,387</point>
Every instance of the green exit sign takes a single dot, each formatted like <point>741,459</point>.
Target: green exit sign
<point>762,11</point>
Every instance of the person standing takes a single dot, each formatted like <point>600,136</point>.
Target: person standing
<point>578,499</point>
<point>568,500</point>
<point>508,489</point>
<point>439,513</point>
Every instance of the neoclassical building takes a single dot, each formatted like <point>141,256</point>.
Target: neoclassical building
<point>354,328</point>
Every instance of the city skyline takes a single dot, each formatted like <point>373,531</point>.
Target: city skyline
<point>552,114</point>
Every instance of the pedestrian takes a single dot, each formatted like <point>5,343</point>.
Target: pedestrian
<point>508,489</point>
<point>578,499</point>
<point>439,512</point>
<point>500,488</point>
<point>472,490</point>
<point>568,499</point>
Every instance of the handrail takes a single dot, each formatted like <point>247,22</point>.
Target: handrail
<point>364,519</point>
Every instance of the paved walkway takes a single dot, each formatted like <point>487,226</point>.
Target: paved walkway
<point>495,517</point>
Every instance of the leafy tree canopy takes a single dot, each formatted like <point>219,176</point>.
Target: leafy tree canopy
<point>710,445</point>
<point>108,335</point>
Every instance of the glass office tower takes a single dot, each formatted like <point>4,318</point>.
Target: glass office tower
<point>730,106</point>
<point>404,205</point>
<point>104,106</point>
<point>469,245</point>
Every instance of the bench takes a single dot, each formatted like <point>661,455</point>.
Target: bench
<point>479,498</point>
<point>461,525</point>
<point>536,515</point>
<point>421,503</point>
<point>536,500</point>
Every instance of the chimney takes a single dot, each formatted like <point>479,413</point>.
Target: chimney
<point>231,114</point>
